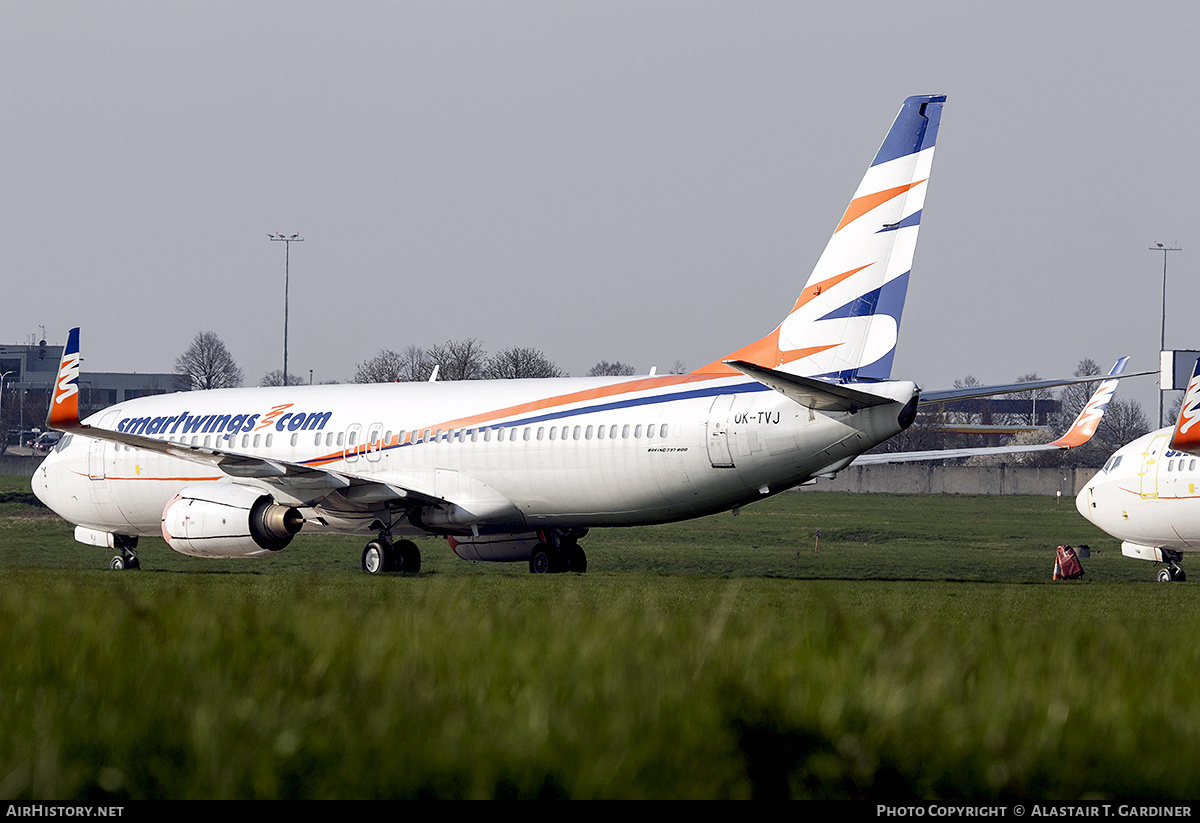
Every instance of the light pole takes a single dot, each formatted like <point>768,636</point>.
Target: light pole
<point>1162,337</point>
<point>287,240</point>
<point>3,431</point>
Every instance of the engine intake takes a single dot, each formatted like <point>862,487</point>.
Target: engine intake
<point>223,519</point>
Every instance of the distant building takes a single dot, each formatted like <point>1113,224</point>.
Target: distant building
<point>31,370</point>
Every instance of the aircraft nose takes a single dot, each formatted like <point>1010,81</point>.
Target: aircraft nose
<point>1083,502</point>
<point>39,485</point>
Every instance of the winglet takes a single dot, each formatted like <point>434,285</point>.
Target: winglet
<point>63,413</point>
<point>1088,421</point>
<point>1187,434</point>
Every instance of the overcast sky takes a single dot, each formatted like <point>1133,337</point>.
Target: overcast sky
<point>637,181</point>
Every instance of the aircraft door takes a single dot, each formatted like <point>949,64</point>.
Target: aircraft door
<point>1152,459</point>
<point>718,432</point>
<point>98,450</point>
<point>374,445</point>
<point>96,469</point>
<point>350,449</point>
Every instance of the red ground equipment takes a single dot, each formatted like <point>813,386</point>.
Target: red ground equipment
<point>1066,565</point>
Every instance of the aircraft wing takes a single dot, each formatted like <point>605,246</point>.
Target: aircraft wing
<point>63,416</point>
<point>1080,432</point>
<point>944,395</point>
<point>300,479</point>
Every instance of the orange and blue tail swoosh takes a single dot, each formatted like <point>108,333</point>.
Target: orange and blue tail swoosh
<point>1187,433</point>
<point>63,413</point>
<point>845,324</point>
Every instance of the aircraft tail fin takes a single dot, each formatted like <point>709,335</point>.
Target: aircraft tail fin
<point>1187,434</point>
<point>63,413</point>
<point>845,324</point>
<point>1088,421</point>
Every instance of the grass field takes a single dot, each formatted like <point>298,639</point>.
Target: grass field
<point>920,651</point>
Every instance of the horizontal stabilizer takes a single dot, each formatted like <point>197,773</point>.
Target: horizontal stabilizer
<point>810,392</point>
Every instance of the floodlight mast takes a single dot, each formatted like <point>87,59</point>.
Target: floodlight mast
<point>3,431</point>
<point>1162,336</point>
<point>287,240</point>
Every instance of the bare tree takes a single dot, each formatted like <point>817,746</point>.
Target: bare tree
<point>414,365</point>
<point>275,378</point>
<point>410,365</point>
<point>1032,396</point>
<point>458,359</point>
<point>208,364</point>
<point>1124,420</point>
<point>1073,398</point>
<point>606,369</point>
<point>382,368</point>
<point>520,362</point>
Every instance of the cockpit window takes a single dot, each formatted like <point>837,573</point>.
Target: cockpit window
<point>1112,463</point>
<point>62,442</point>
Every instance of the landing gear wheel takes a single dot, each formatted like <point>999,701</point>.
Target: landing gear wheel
<point>1171,574</point>
<point>576,559</point>
<point>406,557</point>
<point>126,560</point>
<point>376,557</point>
<point>541,561</point>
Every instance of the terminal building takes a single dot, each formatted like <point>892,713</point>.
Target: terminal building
<point>27,374</point>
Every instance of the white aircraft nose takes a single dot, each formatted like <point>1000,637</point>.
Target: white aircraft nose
<point>1083,503</point>
<point>39,486</point>
<point>40,482</point>
<point>46,483</point>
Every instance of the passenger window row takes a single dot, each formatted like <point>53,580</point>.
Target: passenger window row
<point>486,434</point>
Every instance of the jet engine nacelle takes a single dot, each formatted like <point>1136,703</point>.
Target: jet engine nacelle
<point>223,519</point>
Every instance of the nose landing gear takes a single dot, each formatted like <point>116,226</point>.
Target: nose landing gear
<point>127,559</point>
<point>1173,573</point>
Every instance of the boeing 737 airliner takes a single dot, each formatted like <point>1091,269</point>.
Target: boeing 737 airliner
<point>519,470</point>
<point>1148,493</point>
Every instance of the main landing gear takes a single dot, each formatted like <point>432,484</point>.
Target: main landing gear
<point>558,553</point>
<point>382,555</point>
<point>1173,573</point>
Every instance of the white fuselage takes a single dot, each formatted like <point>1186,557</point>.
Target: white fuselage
<point>1147,495</point>
<point>506,456</point>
